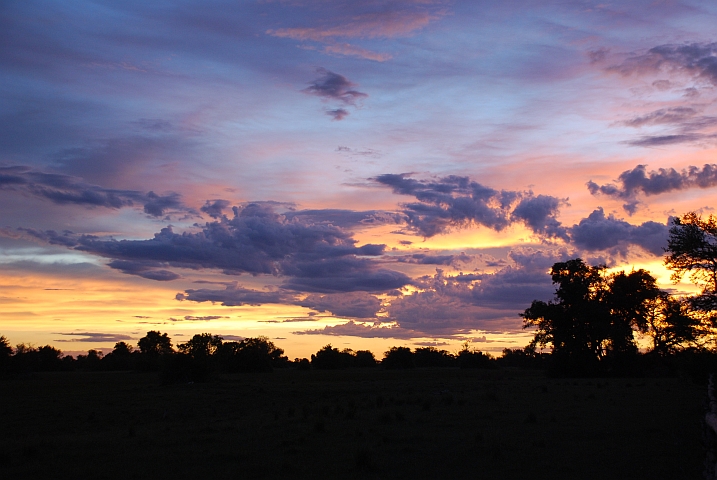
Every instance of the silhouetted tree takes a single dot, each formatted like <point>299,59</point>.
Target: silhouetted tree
<point>5,349</point>
<point>471,358</point>
<point>153,347</point>
<point>201,346</point>
<point>692,248</point>
<point>577,324</point>
<point>155,343</point>
<point>330,358</point>
<point>91,361</point>
<point>122,357</point>
<point>594,316</point>
<point>43,359</point>
<point>432,357</point>
<point>672,326</point>
<point>398,357</point>
<point>522,357</point>
<point>5,355</point>
<point>122,349</point>
<point>364,358</point>
<point>250,355</point>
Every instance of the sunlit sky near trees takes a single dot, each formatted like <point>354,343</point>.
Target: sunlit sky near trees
<point>365,174</point>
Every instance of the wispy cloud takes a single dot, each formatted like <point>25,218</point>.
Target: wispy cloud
<point>66,189</point>
<point>92,337</point>
<point>696,60</point>
<point>350,20</point>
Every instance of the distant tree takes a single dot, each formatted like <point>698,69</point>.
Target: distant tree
<point>202,345</point>
<point>5,355</point>
<point>122,349</point>
<point>398,357</point>
<point>250,355</point>
<point>522,357</point>
<point>91,361</point>
<point>692,248</point>
<point>432,357</point>
<point>122,357</point>
<point>302,363</point>
<point>155,343</point>
<point>364,358</point>
<point>5,349</point>
<point>49,359</point>
<point>330,358</point>
<point>471,358</point>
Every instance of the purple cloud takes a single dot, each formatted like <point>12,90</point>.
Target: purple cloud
<point>335,87</point>
<point>66,189</point>
<point>455,201</point>
<point>634,183</point>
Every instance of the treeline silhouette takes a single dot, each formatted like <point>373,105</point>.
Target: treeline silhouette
<point>204,354</point>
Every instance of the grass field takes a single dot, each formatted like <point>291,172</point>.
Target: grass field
<point>422,423</point>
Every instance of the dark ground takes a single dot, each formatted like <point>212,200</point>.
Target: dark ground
<point>423,423</point>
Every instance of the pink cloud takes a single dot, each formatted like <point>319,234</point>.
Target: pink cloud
<point>354,51</point>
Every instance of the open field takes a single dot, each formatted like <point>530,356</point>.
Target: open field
<point>423,423</point>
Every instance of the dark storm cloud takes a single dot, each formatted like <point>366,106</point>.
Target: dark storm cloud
<point>345,218</point>
<point>598,232</point>
<point>315,257</point>
<point>216,208</point>
<point>234,295</point>
<point>636,182</point>
<point>348,304</point>
<point>346,274</point>
<point>456,201</point>
<point>451,306</point>
<point>66,238</point>
<point>353,305</point>
<point>698,60</point>
<point>65,189</point>
<point>93,337</point>
<point>539,213</point>
<point>334,87</point>
<point>146,269</point>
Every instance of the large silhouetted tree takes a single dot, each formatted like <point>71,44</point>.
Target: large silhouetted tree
<point>155,343</point>
<point>201,345</point>
<point>576,325</point>
<point>595,316</point>
<point>692,248</point>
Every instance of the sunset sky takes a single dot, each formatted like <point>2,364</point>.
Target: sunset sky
<point>364,174</point>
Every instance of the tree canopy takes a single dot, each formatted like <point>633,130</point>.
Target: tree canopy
<point>692,248</point>
<point>597,315</point>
